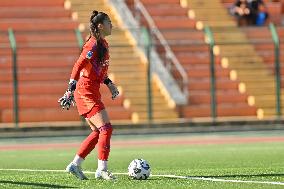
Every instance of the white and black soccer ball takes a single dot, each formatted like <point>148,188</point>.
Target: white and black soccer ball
<point>139,169</point>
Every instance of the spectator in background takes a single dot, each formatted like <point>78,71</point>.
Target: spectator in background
<point>241,9</point>
<point>258,11</point>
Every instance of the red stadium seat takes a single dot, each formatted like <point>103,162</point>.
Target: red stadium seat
<point>47,49</point>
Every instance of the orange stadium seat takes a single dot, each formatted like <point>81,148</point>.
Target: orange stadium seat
<point>47,48</point>
<point>189,47</point>
<point>266,48</point>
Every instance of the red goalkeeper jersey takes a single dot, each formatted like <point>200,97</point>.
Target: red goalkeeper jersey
<point>89,74</point>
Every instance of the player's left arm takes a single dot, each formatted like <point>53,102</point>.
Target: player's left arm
<point>112,87</point>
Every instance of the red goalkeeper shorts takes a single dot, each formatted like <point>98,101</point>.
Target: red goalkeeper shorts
<point>99,106</point>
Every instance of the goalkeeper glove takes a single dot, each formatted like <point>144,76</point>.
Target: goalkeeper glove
<point>112,88</point>
<point>68,97</point>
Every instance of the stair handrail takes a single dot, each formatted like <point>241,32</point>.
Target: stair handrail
<point>130,24</point>
<point>13,45</point>
<point>169,53</point>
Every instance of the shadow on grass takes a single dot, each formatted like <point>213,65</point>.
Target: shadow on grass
<point>242,175</point>
<point>221,176</point>
<point>34,184</point>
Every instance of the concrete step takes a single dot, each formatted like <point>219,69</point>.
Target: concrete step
<point>227,53</point>
<point>257,73</point>
<point>204,17</point>
<point>124,61</point>
<point>174,22</point>
<point>166,10</point>
<point>248,67</point>
<point>222,110</point>
<point>155,107</point>
<point>259,91</point>
<point>236,47</point>
<point>209,11</point>
<point>254,80</point>
<point>201,15</point>
<point>271,112</point>
<point>205,5</point>
<point>143,100</point>
<point>132,76</point>
<point>221,98</point>
<point>159,2</point>
<point>130,56</point>
<point>31,3</point>
<point>221,84</point>
<point>38,24</point>
<point>266,85</point>
<point>31,12</point>
<point>142,95</point>
<point>267,103</point>
<point>228,23</point>
<point>121,70</point>
<point>157,115</point>
<point>231,36</point>
<point>245,59</point>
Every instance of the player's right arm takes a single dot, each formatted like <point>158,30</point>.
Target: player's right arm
<point>84,58</point>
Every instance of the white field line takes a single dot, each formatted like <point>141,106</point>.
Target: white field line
<point>168,176</point>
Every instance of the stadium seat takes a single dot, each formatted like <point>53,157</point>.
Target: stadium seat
<point>127,65</point>
<point>261,40</point>
<point>47,48</point>
<point>193,53</point>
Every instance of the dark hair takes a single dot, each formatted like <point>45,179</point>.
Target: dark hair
<point>95,19</point>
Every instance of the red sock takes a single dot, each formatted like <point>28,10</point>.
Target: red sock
<point>88,144</point>
<point>104,142</point>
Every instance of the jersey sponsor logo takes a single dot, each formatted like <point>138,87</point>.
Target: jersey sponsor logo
<point>89,55</point>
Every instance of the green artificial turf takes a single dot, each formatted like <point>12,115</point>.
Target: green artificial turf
<point>252,162</point>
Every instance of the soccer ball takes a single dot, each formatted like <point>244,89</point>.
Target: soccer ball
<point>139,169</point>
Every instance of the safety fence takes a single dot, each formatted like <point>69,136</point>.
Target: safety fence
<point>204,58</point>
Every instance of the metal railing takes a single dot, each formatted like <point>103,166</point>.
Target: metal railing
<point>13,44</point>
<point>15,67</point>
<point>211,42</point>
<point>275,39</point>
<point>172,59</point>
<point>148,48</point>
<point>265,56</point>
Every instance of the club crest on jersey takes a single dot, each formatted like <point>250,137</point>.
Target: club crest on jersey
<point>106,63</point>
<point>89,55</point>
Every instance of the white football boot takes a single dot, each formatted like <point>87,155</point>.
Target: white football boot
<point>76,171</point>
<point>107,175</point>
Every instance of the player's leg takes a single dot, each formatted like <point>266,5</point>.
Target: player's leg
<point>102,122</point>
<point>86,147</point>
<point>89,143</point>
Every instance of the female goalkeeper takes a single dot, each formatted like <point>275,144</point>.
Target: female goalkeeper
<point>88,73</point>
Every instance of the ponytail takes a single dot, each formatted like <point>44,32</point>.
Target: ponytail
<point>96,19</point>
